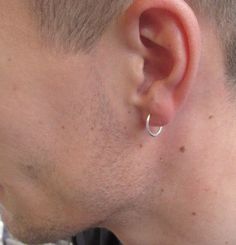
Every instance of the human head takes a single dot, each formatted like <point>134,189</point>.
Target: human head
<point>74,99</point>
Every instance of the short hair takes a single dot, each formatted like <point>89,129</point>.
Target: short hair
<point>222,15</point>
<point>75,24</point>
<point>78,24</point>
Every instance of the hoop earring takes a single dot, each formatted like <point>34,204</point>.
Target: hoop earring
<point>153,134</point>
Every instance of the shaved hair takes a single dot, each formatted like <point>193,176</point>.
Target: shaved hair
<point>78,24</point>
<point>222,15</point>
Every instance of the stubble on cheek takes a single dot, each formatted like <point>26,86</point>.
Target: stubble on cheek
<point>37,168</point>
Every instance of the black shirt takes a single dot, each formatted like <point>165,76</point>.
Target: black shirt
<point>96,237</point>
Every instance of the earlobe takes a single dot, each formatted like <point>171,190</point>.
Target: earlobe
<point>169,43</point>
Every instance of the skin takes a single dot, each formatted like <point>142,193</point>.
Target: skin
<point>74,152</point>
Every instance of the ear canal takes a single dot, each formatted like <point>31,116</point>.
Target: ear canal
<point>155,36</point>
<point>159,62</point>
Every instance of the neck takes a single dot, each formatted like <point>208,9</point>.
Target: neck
<point>145,227</point>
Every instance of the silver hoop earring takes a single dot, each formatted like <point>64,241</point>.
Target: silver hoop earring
<point>153,134</point>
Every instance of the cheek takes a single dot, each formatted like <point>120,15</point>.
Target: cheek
<point>26,166</point>
<point>25,185</point>
<point>27,140</point>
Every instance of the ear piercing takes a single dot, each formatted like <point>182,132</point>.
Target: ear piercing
<point>151,133</point>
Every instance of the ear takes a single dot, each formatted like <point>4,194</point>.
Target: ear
<point>165,35</point>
